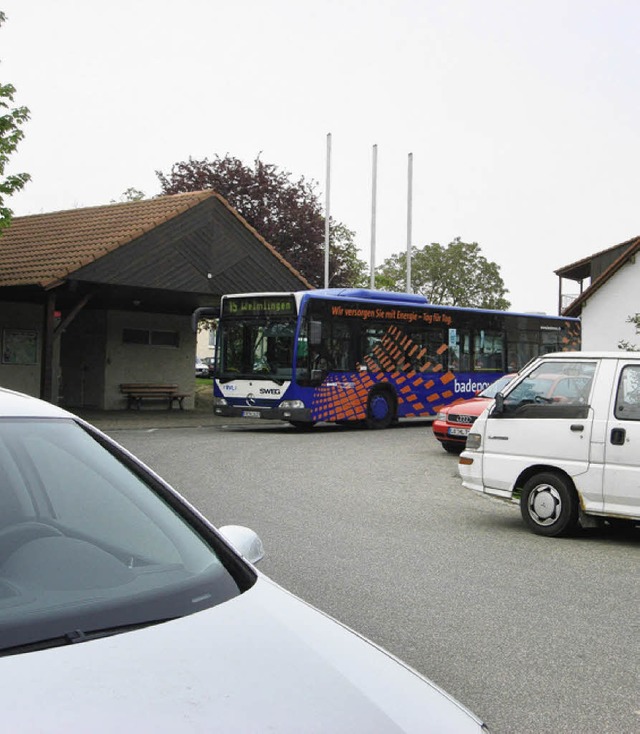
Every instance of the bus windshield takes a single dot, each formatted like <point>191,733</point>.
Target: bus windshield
<point>257,346</point>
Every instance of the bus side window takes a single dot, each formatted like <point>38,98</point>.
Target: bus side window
<point>523,347</point>
<point>425,350</point>
<point>464,350</point>
<point>488,350</point>
<point>339,346</point>
<point>371,339</point>
<point>335,347</point>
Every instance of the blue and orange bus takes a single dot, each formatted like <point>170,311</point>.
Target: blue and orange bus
<point>346,355</point>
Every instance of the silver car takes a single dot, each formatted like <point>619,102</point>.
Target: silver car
<point>123,609</point>
<point>202,368</point>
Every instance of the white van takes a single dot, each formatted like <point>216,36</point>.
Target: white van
<point>564,438</point>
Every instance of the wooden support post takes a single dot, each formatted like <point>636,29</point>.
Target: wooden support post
<point>46,376</point>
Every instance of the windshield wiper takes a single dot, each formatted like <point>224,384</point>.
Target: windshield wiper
<point>75,636</point>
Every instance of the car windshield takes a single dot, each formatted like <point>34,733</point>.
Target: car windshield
<point>89,544</point>
<point>496,387</point>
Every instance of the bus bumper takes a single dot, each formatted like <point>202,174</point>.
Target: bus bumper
<point>275,414</point>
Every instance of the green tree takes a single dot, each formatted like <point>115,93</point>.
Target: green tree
<point>11,120</point>
<point>132,194</point>
<point>626,345</point>
<point>455,275</point>
<point>346,269</point>
<point>286,212</point>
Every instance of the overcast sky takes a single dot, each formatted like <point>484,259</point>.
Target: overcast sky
<point>522,115</point>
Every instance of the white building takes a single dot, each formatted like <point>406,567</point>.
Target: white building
<point>609,294</point>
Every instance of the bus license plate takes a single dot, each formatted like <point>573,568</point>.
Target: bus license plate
<point>458,431</point>
<point>250,413</point>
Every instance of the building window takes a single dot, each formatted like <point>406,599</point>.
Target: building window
<point>152,337</point>
<point>19,346</point>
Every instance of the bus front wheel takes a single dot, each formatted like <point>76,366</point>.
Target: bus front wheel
<point>380,409</point>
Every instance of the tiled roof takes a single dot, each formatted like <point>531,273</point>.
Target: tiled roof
<point>45,249</point>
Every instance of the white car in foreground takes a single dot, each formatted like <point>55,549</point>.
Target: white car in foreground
<point>123,609</point>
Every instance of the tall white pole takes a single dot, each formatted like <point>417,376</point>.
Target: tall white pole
<point>409,217</point>
<point>327,214</point>
<point>374,185</point>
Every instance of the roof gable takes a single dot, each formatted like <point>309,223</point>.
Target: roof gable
<point>621,253</point>
<point>47,249</point>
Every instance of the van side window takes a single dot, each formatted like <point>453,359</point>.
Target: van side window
<point>552,391</point>
<point>628,395</point>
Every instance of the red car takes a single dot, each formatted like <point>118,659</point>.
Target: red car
<point>452,423</point>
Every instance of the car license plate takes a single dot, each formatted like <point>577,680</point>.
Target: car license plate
<point>250,413</point>
<point>458,431</point>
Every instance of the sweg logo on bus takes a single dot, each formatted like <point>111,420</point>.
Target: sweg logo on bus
<point>269,391</point>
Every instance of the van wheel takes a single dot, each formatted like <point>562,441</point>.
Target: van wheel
<point>380,410</point>
<point>549,504</point>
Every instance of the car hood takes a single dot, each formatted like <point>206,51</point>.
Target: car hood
<point>264,661</point>
<point>473,406</point>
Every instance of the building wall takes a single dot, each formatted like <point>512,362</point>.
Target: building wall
<point>92,357</point>
<point>18,321</point>
<point>126,362</point>
<point>604,315</point>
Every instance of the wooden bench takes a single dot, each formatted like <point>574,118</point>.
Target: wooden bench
<point>136,392</point>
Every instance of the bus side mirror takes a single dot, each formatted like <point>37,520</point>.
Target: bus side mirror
<point>204,312</point>
<point>315,333</point>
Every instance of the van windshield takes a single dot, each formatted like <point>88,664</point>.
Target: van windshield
<point>558,384</point>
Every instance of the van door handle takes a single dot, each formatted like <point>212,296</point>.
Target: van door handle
<point>577,427</point>
<point>618,436</point>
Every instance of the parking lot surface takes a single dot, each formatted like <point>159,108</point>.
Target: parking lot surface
<point>373,527</point>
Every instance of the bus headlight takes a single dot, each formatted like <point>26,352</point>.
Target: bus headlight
<point>217,402</point>
<point>291,404</point>
<point>473,441</point>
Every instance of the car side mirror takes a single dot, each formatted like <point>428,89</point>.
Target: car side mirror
<point>245,541</point>
<point>498,407</point>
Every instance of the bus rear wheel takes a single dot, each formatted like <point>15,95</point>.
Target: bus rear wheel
<point>380,409</point>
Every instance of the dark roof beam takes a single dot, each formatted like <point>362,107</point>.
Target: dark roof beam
<point>62,326</point>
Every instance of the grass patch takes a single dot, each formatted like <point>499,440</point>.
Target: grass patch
<point>203,398</point>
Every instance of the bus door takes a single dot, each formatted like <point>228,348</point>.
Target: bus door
<point>459,350</point>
